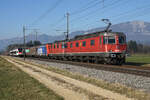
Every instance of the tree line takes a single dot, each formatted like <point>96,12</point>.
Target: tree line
<point>134,47</point>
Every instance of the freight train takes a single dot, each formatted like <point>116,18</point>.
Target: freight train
<point>99,47</point>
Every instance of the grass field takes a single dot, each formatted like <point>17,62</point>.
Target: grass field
<point>138,59</point>
<point>17,85</point>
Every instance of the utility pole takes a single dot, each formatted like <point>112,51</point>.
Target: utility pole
<point>67,35</point>
<point>36,34</point>
<point>24,42</point>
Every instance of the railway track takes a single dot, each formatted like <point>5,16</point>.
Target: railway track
<point>129,69</point>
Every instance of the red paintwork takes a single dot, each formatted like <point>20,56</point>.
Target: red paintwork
<point>20,53</point>
<point>88,48</point>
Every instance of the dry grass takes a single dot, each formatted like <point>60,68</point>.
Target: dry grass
<point>17,85</point>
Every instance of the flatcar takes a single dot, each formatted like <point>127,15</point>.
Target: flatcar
<point>107,47</point>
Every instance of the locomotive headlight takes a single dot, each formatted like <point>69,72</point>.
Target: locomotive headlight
<point>113,55</point>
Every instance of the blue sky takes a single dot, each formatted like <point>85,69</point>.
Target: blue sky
<point>48,15</point>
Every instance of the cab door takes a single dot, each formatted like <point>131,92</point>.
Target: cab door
<point>102,42</point>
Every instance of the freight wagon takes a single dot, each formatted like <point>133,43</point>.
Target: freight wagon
<point>42,51</point>
<point>32,51</point>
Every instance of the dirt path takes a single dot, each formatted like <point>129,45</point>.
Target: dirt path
<point>69,88</point>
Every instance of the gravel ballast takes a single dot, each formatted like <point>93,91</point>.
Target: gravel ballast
<point>134,81</point>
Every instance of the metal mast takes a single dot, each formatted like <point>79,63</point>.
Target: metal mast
<point>24,42</point>
<point>67,33</point>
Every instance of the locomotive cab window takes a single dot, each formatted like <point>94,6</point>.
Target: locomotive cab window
<point>84,43</point>
<point>122,39</point>
<point>77,44</point>
<point>104,40</point>
<point>92,42</point>
<point>71,45</point>
<point>20,49</point>
<point>111,40</point>
<point>66,45</point>
<point>57,45</point>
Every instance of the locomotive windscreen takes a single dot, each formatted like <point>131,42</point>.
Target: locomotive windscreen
<point>109,40</point>
<point>122,40</point>
<point>20,49</point>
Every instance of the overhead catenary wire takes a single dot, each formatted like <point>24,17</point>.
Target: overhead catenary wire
<point>128,13</point>
<point>58,22</point>
<point>91,13</point>
<point>47,12</point>
<point>83,7</point>
<point>87,6</point>
<point>132,12</point>
<point>94,11</point>
<point>88,14</point>
<point>92,5</point>
<point>103,11</point>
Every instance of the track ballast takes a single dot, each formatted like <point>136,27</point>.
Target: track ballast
<point>129,69</point>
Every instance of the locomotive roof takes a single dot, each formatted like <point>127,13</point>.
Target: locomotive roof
<point>95,34</point>
<point>79,37</point>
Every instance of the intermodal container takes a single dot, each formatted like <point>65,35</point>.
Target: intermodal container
<point>42,51</point>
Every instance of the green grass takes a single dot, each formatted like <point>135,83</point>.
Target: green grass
<point>138,59</point>
<point>17,85</point>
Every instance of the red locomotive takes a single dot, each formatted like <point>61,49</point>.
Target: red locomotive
<point>108,47</point>
<point>105,46</point>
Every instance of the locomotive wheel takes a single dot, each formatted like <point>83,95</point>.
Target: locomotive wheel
<point>119,61</point>
<point>114,61</point>
<point>109,61</point>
